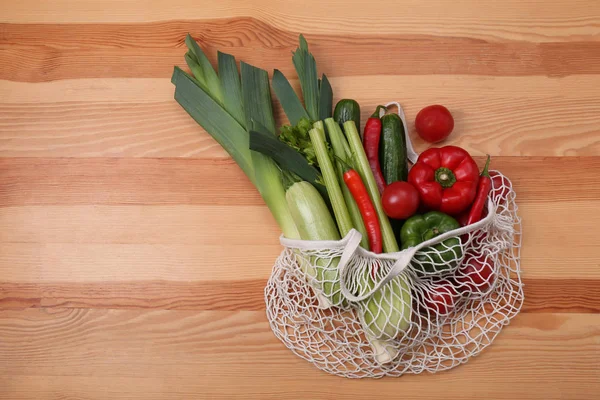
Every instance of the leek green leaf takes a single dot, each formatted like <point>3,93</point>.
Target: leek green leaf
<point>231,87</point>
<point>286,157</point>
<point>214,119</point>
<point>256,95</point>
<point>325,98</point>
<point>204,73</point>
<point>292,106</point>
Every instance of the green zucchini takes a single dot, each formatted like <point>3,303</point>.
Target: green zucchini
<point>347,110</point>
<point>392,149</point>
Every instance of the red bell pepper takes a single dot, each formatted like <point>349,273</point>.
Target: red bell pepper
<point>446,179</point>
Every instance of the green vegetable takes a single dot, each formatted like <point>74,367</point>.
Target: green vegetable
<point>342,216</point>
<point>325,98</point>
<point>347,110</point>
<point>362,166</point>
<point>203,70</point>
<point>314,222</point>
<point>198,99</point>
<point>310,213</point>
<point>232,136</point>
<point>389,310</point>
<point>231,87</point>
<point>341,150</point>
<point>306,68</point>
<point>292,106</point>
<point>420,228</point>
<point>392,149</point>
<point>286,157</point>
<point>298,139</point>
<point>256,94</point>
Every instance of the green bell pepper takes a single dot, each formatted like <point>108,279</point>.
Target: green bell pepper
<point>420,228</point>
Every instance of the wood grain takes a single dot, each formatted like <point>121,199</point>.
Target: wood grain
<point>78,51</point>
<point>542,295</point>
<point>118,181</point>
<point>532,20</point>
<point>134,252</point>
<point>171,347</point>
<point>500,116</point>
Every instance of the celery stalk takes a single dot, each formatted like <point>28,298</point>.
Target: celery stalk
<point>344,222</point>
<point>342,151</point>
<point>390,245</point>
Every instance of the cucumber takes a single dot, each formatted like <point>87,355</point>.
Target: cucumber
<point>346,110</point>
<point>392,149</point>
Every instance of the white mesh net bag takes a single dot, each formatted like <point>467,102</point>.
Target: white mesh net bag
<point>357,314</point>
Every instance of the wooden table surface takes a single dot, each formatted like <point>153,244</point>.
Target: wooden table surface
<point>134,252</point>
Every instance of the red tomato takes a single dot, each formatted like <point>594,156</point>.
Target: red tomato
<point>434,123</point>
<point>441,298</point>
<point>475,274</point>
<point>400,200</point>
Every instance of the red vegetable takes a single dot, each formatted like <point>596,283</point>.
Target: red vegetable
<point>441,298</point>
<point>434,123</point>
<point>475,275</point>
<point>400,200</point>
<point>446,179</point>
<point>483,190</point>
<point>371,139</point>
<point>367,210</point>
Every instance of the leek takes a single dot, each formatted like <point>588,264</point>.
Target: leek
<point>214,119</point>
<point>287,158</point>
<point>292,106</point>
<point>203,70</point>
<point>306,67</point>
<point>231,87</point>
<point>362,164</point>
<point>325,98</point>
<point>256,95</point>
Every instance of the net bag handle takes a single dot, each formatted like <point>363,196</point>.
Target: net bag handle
<point>411,154</point>
<point>404,257</point>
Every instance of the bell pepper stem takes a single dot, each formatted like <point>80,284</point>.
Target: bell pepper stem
<point>445,177</point>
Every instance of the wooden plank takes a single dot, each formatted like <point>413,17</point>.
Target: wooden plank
<point>550,117</point>
<point>541,295</point>
<point>151,50</point>
<point>77,52</point>
<point>48,262</point>
<point>193,240</point>
<point>130,181</point>
<point>177,353</point>
<point>531,20</point>
<point>406,89</point>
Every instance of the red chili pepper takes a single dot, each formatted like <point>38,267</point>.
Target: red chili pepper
<point>371,144</point>
<point>483,190</point>
<point>446,179</point>
<point>367,210</point>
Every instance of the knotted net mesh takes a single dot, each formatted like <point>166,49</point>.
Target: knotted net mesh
<point>356,314</point>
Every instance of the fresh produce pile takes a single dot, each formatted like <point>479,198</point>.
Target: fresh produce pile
<point>324,181</point>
